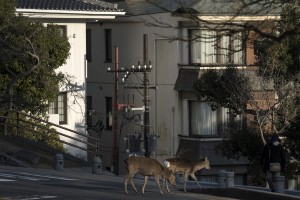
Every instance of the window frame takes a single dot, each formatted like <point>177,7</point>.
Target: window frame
<point>55,109</point>
<point>64,108</point>
<point>63,29</point>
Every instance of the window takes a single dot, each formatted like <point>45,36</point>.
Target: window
<point>108,102</point>
<point>63,30</point>
<point>59,106</point>
<point>216,47</point>
<point>89,45</point>
<point>108,46</point>
<point>204,121</point>
<point>203,50</point>
<point>89,107</point>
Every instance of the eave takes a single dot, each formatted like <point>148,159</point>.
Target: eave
<point>239,18</point>
<point>67,14</point>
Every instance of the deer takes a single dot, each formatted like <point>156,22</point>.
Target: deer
<point>147,167</point>
<point>186,167</point>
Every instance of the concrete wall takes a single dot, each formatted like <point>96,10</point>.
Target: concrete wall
<point>164,56</point>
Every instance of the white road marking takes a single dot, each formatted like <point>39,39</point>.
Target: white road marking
<point>40,197</point>
<point>5,180</point>
<point>30,197</point>
<point>47,176</point>
<point>13,176</point>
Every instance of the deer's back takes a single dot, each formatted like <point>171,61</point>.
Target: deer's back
<point>143,165</point>
<point>180,165</point>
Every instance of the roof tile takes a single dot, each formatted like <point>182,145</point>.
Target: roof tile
<point>75,5</point>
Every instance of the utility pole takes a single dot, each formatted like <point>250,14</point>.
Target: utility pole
<point>146,97</point>
<point>115,156</point>
<point>145,68</point>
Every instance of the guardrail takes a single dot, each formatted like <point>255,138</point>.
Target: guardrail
<point>32,127</point>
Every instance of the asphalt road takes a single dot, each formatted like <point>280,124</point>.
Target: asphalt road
<point>24,183</point>
<point>79,183</point>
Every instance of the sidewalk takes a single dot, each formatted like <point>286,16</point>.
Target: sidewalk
<point>209,191</point>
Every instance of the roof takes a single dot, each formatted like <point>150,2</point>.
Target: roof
<point>186,79</point>
<point>69,5</point>
<point>203,7</point>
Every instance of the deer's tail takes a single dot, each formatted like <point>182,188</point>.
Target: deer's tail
<point>167,163</point>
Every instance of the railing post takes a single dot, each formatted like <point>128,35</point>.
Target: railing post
<point>97,165</point>
<point>229,179</point>
<point>59,162</point>
<point>221,179</point>
<point>97,162</point>
<point>280,182</point>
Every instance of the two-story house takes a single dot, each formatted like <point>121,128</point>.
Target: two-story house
<point>72,16</point>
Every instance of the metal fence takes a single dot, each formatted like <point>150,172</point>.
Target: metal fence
<point>92,143</point>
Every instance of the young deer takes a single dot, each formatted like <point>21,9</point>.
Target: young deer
<point>147,167</point>
<point>186,167</point>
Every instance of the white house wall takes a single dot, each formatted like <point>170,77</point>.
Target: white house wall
<point>75,67</point>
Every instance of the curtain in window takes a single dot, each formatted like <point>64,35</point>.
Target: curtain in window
<point>231,49</point>
<point>204,120</point>
<point>207,48</point>
<point>238,49</point>
<point>225,46</point>
<point>203,49</point>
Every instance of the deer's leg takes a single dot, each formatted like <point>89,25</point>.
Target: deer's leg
<point>185,179</point>
<point>165,181</point>
<point>158,184</point>
<point>195,178</point>
<point>145,182</point>
<point>132,183</point>
<point>127,178</point>
<point>167,186</point>
<point>125,182</point>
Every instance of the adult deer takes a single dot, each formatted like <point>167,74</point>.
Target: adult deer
<point>186,167</point>
<point>147,167</point>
